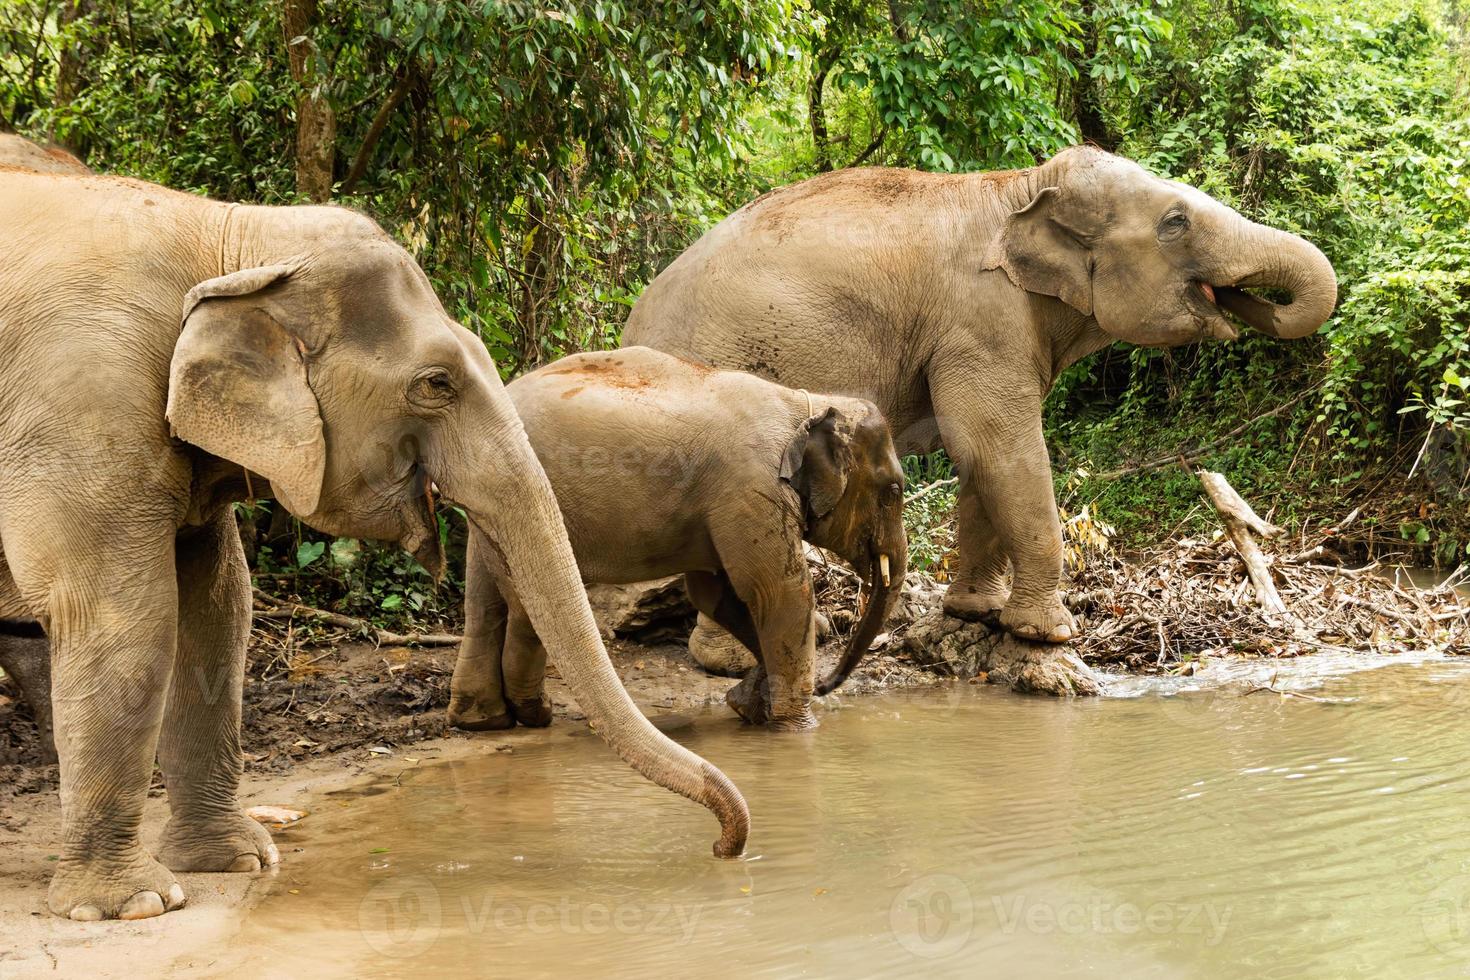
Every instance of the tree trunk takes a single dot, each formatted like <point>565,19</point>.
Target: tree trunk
<point>316,123</point>
<point>1091,125</point>
<point>826,58</point>
<point>71,73</point>
<point>540,275</point>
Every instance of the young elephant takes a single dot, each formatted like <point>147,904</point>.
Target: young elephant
<point>661,467</point>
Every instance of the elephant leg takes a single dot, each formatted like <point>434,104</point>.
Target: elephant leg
<point>769,576</point>
<point>993,434</point>
<point>712,594</point>
<point>106,594</point>
<point>477,701</point>
<point>28,660</point>
<point>525,671</point>
<point>199,750</point>
<point>979,589</point>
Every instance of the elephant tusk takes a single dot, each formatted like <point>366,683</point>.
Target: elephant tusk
<point>883,570</point>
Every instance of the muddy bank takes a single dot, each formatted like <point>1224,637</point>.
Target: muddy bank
<point>331,719</point>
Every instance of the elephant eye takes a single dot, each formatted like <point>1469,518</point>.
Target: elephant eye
<point>433,388</point>
<point>1174,224</point>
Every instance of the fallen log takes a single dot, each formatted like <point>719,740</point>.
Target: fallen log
<point>281,609</point>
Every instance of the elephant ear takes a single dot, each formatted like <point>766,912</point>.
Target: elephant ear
<point>1044,250</point>
<point>818,460</point>
<point>237,387</point>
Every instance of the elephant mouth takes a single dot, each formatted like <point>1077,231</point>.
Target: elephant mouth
<point>1222,305</point>
<point>422,538</point>
<point>1208,313</point>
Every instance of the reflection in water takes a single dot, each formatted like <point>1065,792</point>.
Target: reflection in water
<point>939,834</point>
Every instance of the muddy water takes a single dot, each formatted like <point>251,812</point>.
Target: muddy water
<point>1160,831</point>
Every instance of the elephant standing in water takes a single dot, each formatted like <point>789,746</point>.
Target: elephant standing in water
<point>664,467</point>
<point>163,356</point>
<point>953,301</point>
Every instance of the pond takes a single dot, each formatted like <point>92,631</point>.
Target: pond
<point>1158,831</point>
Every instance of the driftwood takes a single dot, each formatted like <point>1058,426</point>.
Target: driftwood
<point>1240,520</point>
<point>1167,605</point>
<point>278,609</point>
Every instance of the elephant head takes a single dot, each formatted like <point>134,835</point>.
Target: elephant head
<point>336,375</point>
<point>850,481</point>
<point>1156,262</point>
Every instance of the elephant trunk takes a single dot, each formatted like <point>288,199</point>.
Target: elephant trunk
<point>518,513</point>
<point>1281,261</point>
<point>884,584</point>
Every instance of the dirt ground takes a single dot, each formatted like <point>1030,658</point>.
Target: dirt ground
<point>309,728</point>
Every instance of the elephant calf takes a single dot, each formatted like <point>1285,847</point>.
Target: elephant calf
<point>661,467</point>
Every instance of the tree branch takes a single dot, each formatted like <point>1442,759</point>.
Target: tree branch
<point>1208,447</point>
<point>375,130</point>
<point>871,147</point>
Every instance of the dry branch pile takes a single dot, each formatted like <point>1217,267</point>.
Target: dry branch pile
<point>1194,598</point>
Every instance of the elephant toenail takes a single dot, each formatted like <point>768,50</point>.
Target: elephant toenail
<point>176,897</point>
<point>245,862</point>
<point>86,913</point>
<point>144,905</point>
<point>272,855</point>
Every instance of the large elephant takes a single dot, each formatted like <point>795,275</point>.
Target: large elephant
<point>664,467</point>
<point>954,301</point>
<point>22,154</point>
<point>163,356</point>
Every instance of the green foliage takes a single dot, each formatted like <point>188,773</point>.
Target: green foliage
<point>963,86</point>
<point>543,161</point>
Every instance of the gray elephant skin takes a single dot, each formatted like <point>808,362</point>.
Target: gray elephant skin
<point>953,301</point>
<point>664,467</point>
<point>163,356</point>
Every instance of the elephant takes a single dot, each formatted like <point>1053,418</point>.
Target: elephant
<point>664,467</point>
<point>21,154</point>
<point>164,356</point>
<point>953,301</point>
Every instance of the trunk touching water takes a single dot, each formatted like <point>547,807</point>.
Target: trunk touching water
<point>1282,262</point>
<point>519,515</point>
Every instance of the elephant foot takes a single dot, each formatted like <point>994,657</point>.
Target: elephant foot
<point>228,843</point>
<point>974,603</point>
<point>802,721</point>
<point>468,714</point>
<point>1049,622</point>
<point>751,698</point>
<point>90,891</point>
<point>717,651</point>
<point>532,712</point>
<point>970,649</point>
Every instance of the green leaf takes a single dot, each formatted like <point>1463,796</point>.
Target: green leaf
<point>308,552</point>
